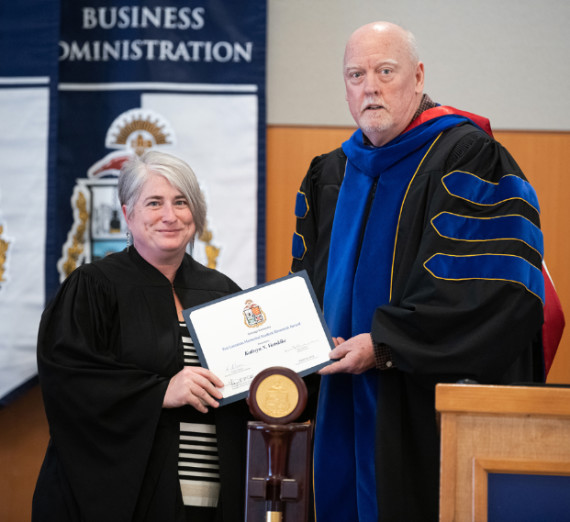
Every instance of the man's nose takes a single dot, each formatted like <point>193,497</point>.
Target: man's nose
<point>371,83</point>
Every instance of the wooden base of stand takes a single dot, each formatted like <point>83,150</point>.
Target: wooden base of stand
<point>278,472</point>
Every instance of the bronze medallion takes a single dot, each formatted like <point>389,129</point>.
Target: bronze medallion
<point>277,395</point>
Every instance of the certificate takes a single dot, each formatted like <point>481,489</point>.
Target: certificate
<point>275,324</point>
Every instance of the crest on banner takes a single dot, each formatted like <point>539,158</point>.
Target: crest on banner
<point>98,226</point>
<point>4,247</point>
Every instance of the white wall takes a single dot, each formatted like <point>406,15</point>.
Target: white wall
<point>504,59</point>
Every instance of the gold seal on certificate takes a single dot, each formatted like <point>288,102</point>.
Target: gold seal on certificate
<point>277,395</point>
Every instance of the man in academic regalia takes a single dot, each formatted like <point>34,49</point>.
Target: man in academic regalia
<point>422,239</point>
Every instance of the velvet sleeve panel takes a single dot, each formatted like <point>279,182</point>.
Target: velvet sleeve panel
<point>314,212</point>
<point>446,328</point>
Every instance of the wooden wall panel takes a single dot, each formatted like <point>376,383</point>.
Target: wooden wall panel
<point>23,442</point>
<point>540,155</point>
<point>289,153</point>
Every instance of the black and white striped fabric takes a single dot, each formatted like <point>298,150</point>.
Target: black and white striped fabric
<point>198,463</point>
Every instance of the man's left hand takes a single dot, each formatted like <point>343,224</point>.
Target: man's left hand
<point>356,355</point>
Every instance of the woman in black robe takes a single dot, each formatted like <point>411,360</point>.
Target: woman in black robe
<point>119,375</point>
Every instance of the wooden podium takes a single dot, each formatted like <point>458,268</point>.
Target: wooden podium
<point>494,433</point>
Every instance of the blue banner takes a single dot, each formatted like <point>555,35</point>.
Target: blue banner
<point>183,78</point>
<point>29,32</point>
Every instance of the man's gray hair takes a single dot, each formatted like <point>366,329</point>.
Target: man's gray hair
<point>413,47</point>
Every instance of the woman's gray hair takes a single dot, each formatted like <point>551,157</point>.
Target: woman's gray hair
<point>136,171</point>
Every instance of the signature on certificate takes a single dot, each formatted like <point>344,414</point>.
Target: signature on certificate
<point>234,368</point>
<point>238,382</point>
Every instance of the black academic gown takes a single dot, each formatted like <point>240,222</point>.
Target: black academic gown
<point>108,345</point>
<point>437,330</point>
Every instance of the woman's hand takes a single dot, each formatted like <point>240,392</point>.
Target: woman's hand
<point>193,386</point>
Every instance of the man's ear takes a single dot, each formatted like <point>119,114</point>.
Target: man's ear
<point>419,78</point>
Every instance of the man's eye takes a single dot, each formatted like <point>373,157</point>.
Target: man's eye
<point>354,75</point>
<point>385,72</point>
